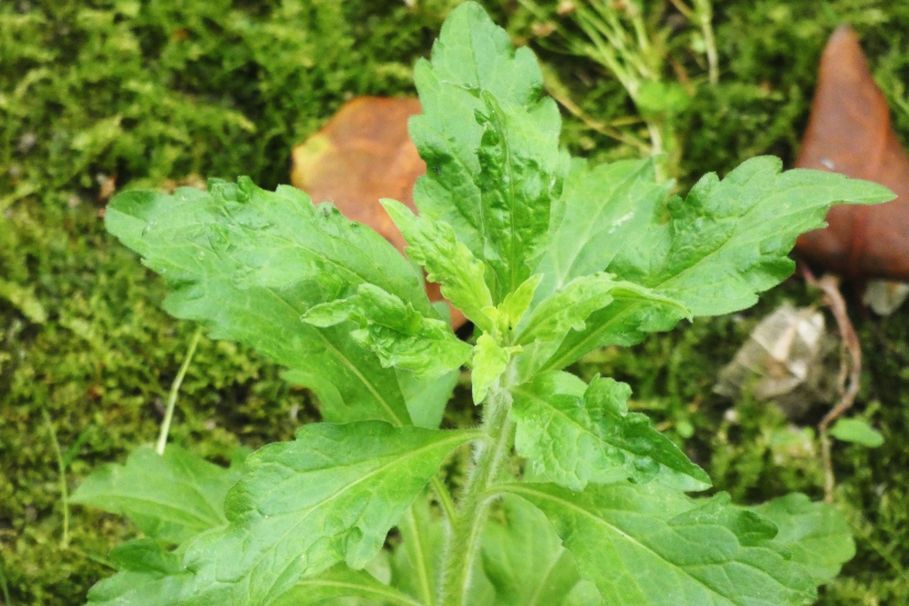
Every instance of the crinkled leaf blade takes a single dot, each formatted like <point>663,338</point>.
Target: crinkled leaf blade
<point>489,137</point>
<point>249,262</point>
<point>729,239</point>
<point>301,507</point>
<point>653,546</point>
<point>573,434</point>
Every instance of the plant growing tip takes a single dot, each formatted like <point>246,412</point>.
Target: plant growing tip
<point>550,258</point>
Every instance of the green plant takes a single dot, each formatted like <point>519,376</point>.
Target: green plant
<point>570,498</point>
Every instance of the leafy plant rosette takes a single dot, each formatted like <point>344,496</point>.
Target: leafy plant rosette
<point>571,498</point>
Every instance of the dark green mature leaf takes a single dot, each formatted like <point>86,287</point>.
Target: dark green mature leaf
<point>393,330</point>
<point>300,507</point>
<point>524,559</point>
<point>654,546</point>
<point>573,434</point>
<point>490,139</point>
<point>170,498</point>
<point>249,262</point>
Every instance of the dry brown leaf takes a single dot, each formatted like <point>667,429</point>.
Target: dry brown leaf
<point>849,132</point>
<point>362,155</point>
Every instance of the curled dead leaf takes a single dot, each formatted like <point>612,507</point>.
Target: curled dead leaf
<point>849,132</point>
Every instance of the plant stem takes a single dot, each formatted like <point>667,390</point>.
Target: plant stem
<point>174,390</point>
<point>61,469</point>
<point>468,524</point>
<point>444,497</point>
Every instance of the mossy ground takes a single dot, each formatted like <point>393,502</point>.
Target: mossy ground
<point>151,92</point>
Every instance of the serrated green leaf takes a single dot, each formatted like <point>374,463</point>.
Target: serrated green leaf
<point>394,331</point>
<point>170,498</point>
<point>712,251</point>
<point>524,560</point>
<point>448,262</point>
<point>573,434</point>
<point>600,210</point>
<point>248,263</point>
<point>301,507</point>
<point>856,431</point>
<point>490,139</point>
<point>814,536</point>
<point>652,546</point>
<point>489,362</point>
<point>729,239</point>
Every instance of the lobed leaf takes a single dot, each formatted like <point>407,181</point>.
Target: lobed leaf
<point>712,251</point>
<point>652,546</point>
<point>573,434</point>
<point>170,497</point>
<point>248,263</point>
<point>394,331</point>
<point>301,507</point>
<point>729,239</point>
<point>434,245</point>
<point>490,139</point>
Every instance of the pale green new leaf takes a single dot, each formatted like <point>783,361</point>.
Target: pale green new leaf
<point>564,315</point>
<point>857,431</point>
<point>301,507</point>
<point>490,139</point>
<point>170,498</point>
<point>448,262</point>
<point>392,329</point>
<point>729,239</point>
<point>524,560</point>
<point>489,362</point>
<point>248,263</point>
<point>573,434</point>
<point>653,546</point>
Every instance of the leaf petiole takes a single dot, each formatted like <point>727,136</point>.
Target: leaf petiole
<point>174,390</point>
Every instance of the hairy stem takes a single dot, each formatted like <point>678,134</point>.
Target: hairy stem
<point>468,524</point>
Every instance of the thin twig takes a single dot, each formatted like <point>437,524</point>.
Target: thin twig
<point>850,369</point>
<point>61,470</point>
<point>174,390</point>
